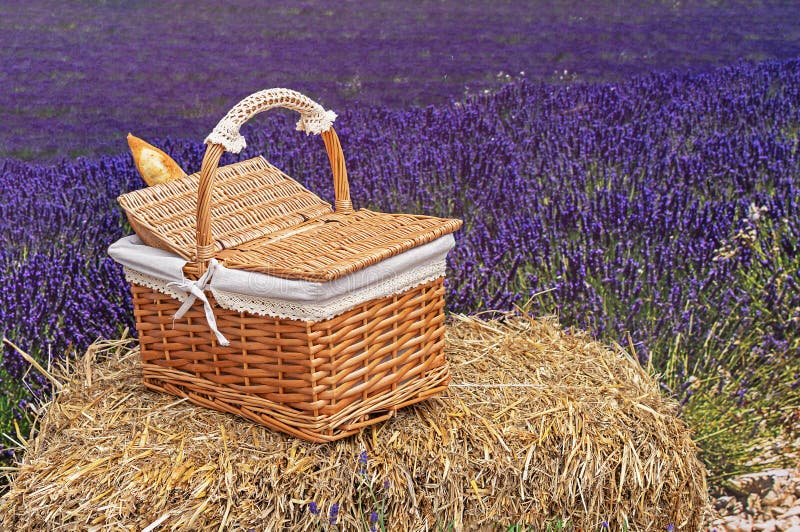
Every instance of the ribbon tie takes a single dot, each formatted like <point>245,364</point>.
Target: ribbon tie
<point>194,290</point>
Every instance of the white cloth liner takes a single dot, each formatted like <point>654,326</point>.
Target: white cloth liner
<point>267,295</point>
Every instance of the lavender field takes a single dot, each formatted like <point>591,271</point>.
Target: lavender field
<point>77,78</point>
<point>656,209</point>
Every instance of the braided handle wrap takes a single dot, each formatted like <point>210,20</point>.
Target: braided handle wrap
<point>313,117</point>
<point>226,137</point>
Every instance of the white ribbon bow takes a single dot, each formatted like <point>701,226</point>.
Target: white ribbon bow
<point>194,290</point>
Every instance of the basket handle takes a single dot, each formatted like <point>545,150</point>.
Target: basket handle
<point>226,137</point>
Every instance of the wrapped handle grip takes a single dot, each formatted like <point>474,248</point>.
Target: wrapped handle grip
<point>226,137</point>
<point>313,117</point>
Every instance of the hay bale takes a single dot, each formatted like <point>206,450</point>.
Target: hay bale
<point>539,424</point>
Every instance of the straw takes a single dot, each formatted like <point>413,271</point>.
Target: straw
<point>541,424</point>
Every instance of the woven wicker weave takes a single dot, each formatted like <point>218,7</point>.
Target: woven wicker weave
<point>265,221</point>
<point>316,380</point>
<point>254,199</point>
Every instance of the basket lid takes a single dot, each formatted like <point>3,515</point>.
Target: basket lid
<point>252,199</point>
<point>265,221</point>
<point>334,245</point>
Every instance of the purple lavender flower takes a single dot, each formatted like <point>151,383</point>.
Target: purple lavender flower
<point>333,516</point>
<point>362,463</point>
<point>313,508</point>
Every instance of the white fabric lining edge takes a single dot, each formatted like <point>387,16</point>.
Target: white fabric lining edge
<point>132,253</point>
<point>293,310</point>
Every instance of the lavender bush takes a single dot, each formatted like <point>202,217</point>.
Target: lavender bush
<point>664,208</point>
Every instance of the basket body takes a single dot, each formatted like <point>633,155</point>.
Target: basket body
<point>319,381</point>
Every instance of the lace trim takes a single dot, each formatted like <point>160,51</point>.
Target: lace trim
<point>280,308</point>
<point>154,283</point>
<point>265,306</point>
<point>313,117</point>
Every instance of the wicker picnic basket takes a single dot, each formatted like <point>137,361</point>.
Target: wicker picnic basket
<point>309,320</point>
